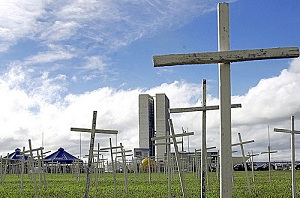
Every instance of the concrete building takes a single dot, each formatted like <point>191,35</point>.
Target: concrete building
<point>146,122</point>
<point>162,126</point>
<point>153,124</point>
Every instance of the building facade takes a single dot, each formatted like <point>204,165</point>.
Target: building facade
<point>162,126</point>
<point>146,122</point>
<point>153,122</point>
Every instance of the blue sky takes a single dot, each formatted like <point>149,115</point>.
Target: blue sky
<point>61,60</point>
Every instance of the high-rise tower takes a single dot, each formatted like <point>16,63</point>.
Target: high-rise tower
<point>162,125</point>
<point>146,122</point>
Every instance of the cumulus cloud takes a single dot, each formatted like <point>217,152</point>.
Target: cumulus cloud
<point>28,113</point>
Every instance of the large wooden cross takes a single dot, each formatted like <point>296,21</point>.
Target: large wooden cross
<point>93,132</point>
<point>292,132</point>
<point>224,57</point>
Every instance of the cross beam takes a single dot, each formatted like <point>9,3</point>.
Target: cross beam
<point>96,130</point>
<point>206,108</point>
<point>241,143</point>
<point>225,56</point>
<point>171,136</point>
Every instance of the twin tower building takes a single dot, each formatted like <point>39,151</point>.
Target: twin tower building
<point>153,122</point>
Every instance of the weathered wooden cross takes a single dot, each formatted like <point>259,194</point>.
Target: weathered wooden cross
<point>251,155</point>
<point>269,157</point>
<point>292,132</point>
<point>97,168</point>
<point>224,57</point>
<point>206,179</point>
<point>174,142</point>
<point>32,166</point>
<point>110,148</point>
<point>125,170</point>
<point>241,143</point>
<point>168,160</point>
<point>3,175</point>
<point>204,108</point>
<point>93,131</point>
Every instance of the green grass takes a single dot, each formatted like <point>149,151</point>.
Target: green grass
<point>65,185</point>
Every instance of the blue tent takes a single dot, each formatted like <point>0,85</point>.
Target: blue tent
<point>61,156</point>
<point>16,155</point>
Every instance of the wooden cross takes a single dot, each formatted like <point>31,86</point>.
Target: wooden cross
<point>5,168</point>
<point>125,171</point>
<point>251,155</point>
<point>168,160</point>
<point>292,132</point>
<point>203,169</point>
<point>269,157</point>
<point>204,108</point>
<point>31,162</point>
<point>110,148</point>
<point>97,164</point>
<point>174,142</point>
<point>241,143</point>
<point>92,140</point>
<point>224,57</point>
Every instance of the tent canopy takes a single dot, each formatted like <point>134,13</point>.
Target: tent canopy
<point>16,155</point>
<point>61,156</point>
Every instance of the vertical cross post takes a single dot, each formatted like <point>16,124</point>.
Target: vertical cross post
<point>88,176</point>
<point>225,102</point>
<point>177,159</point>
<point>113,167</point>
<point>293,132</point>
<point>22,170</point>
<point>203,145</point>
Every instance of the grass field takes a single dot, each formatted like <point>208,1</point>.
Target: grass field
<point>66,185</point>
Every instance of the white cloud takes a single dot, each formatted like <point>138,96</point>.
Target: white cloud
<point>18,19</point>
<point>95,63</point>
<point>55,53</point>
<point>105,24</point>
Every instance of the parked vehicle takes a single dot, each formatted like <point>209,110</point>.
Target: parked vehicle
<point>240,167</point>
<point>297,167</point>
<point>264,167</point>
